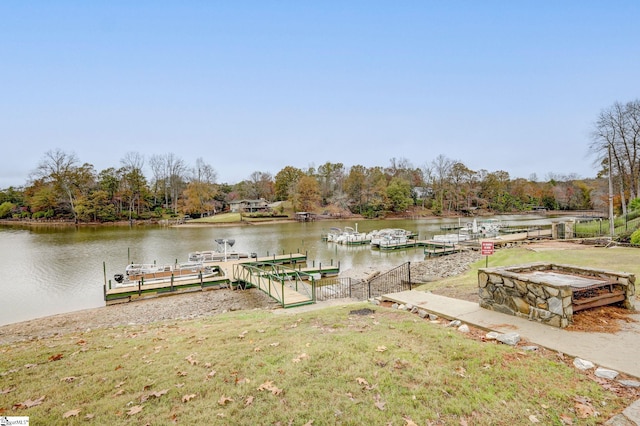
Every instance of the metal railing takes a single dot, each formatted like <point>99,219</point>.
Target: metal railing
<point>393,281</point>
<point>276,280</point>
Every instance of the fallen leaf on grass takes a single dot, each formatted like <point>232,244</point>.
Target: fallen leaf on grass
<point>191,360</point>
<point>56,357</point>
<point>156,394</point>
<point>30,365</point>
<point>300,358</point>
<point>365,385</point>
<point>309,423</point>
<point>566,420</point>
<point>248,401</point>
<point>181,373</point>
<point>224,400</point>
<point>29,403</point>
<point>533,419</point>
<point>89,416</point>
<point>7,390</point>
<point>71,413</point>
<point>381,349</point>
<point>409,421</point>
<point>362,381</point>
<point>269,386</point>
<point>584,411</point>
<point>134,410</point>
<point>189,397</point>
<point>120,384</point>
<point>274,344</point>
<point>68,379</point>
<point>379,403</point>
<point>211,374</point>
<point>120,392</point>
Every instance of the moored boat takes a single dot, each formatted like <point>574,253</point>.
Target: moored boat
<point>150,273</point>
<point>221,254</point>
<point>390,236</point>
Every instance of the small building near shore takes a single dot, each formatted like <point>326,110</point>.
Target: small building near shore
<point>250,206</point>
<point>305,216</point>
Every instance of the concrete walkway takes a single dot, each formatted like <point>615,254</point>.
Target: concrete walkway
<point>619,351</point>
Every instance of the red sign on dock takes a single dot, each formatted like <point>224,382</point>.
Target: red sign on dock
<point>486,248</point>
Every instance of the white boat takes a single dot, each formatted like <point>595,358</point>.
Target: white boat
<point>333,234</point>
<point>351,236</point>
<point>390,236</point>
<point>150,273</point>
<point>452,238</point>
<point>216,256</point>
<point>221,254</point>
<point>483,228</point>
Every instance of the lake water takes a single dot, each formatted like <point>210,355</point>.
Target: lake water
<point>46,270</point>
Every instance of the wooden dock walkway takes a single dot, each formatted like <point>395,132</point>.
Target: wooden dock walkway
<point>285,285</point>
<point>440,248</point>
<point>504,240</point>
<point>140,290</point>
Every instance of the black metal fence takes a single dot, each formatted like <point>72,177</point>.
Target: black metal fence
<point>393,281</point>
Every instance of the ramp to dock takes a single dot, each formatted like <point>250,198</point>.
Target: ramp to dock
<point>288,286</point>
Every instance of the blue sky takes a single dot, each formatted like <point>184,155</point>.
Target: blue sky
<point>259,85</point>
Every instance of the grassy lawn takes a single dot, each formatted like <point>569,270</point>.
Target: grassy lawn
<point>234,218</point>
<point>323,367</point>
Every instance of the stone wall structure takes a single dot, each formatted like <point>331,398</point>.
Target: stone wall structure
<point>545,292</point>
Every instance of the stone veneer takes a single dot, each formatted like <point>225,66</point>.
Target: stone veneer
<point>523,291</point>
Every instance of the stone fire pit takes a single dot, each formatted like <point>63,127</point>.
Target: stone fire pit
<point>551,293</point>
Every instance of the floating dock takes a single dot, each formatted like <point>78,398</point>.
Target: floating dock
<point>223,279</point>
<point>439,248</point>
<point>140,290</point>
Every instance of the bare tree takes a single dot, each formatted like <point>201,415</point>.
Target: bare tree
<point>169,174</point>
<point>440,170</point>
<point>61,170</point>
<point>199,195</point>
<point>159,177</point>
<point>616,143</point>
<point>134,181</point>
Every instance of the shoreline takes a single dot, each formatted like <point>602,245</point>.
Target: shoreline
<point>198,304</point>
<point>194,224</point>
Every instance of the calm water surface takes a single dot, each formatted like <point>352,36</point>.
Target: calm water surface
<point>47,270</point>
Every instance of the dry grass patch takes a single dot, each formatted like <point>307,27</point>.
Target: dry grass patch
<point>321,367</point>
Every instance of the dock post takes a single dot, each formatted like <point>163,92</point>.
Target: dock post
<point>172,282</point>
<point>140,285</point>
<point>200,276</point>
<point>104,270</point>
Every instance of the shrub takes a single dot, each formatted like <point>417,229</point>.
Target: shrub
<point>635,237</point>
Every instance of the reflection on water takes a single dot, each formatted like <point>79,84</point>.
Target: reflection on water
<point>48,270</point>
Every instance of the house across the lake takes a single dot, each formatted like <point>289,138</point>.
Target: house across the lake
<point>249,206</point>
